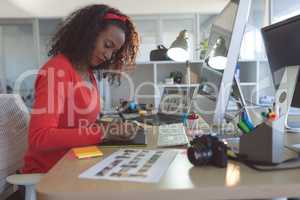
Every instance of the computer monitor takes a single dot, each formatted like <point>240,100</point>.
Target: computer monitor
<point>296,96</point>
<point>282,45</point>
<point>267,144</point>
<point>216,85</point>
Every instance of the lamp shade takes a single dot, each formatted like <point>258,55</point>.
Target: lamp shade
<point>217,57</point>
<point>178,50</point>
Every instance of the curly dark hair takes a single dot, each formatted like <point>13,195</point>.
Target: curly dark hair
<point>77,36</point>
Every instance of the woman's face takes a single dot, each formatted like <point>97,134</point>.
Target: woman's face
<point>108,43</point>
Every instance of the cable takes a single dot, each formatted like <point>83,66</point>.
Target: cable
<point>287,165</point>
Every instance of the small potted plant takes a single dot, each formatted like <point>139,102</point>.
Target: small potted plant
<point>203,48</point>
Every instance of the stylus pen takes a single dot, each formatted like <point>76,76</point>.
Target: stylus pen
<point>122,116</point>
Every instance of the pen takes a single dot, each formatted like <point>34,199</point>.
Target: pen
<point>243,127</point>
<point>246,119</point>
<point>122,116</point>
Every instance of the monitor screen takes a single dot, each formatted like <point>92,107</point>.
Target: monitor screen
<point>296,96</point>
<point>282,43</point>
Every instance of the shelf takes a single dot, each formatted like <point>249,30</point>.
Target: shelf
<point>177,85</point>
<point>195,61</point>
<point>166,62</point>
<point>253,60</point>
<point>264,105</point>
<point>143,63</point>
<point>248,84</point>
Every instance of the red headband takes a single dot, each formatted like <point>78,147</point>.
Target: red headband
<point>116,17</point>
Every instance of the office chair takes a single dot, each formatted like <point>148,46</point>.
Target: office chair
<point>14,118</point>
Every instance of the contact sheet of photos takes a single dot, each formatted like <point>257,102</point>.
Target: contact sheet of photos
<point>132,165</point>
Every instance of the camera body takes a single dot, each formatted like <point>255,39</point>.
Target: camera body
<point>207,150</point>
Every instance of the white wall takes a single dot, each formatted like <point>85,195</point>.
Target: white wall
<point>285,9</point>
<point>60,8</point>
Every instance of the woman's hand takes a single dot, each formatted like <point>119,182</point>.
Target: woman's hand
<point>120,131</point>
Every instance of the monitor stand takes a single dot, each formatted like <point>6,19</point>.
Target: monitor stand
<point>284,94</point>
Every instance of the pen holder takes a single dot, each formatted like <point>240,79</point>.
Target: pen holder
<point>265,143</point>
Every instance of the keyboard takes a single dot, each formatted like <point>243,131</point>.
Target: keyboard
<point>172,135</point>
<point>159,119</point>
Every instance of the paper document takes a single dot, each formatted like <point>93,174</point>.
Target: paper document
<point>132,165</point>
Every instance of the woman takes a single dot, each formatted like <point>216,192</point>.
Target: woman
<point>66,102</point>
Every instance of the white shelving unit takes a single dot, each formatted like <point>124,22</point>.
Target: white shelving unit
<point>177,85</point>
<point>19,55</point>
<point>150,76</point>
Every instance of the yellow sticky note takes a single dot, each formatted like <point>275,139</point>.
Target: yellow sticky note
<point>87,152</point>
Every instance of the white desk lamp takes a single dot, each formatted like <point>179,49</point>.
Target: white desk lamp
<point>178,50</point>
<point>217,56</point>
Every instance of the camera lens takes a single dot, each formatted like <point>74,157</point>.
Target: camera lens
<point>207,149</point>
<point>199,154</point>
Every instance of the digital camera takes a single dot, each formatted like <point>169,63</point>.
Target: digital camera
<point>207,149</point>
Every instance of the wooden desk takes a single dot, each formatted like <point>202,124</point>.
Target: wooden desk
<point>181,181</point>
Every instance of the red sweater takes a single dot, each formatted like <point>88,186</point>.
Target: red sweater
<point>64,109</point>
